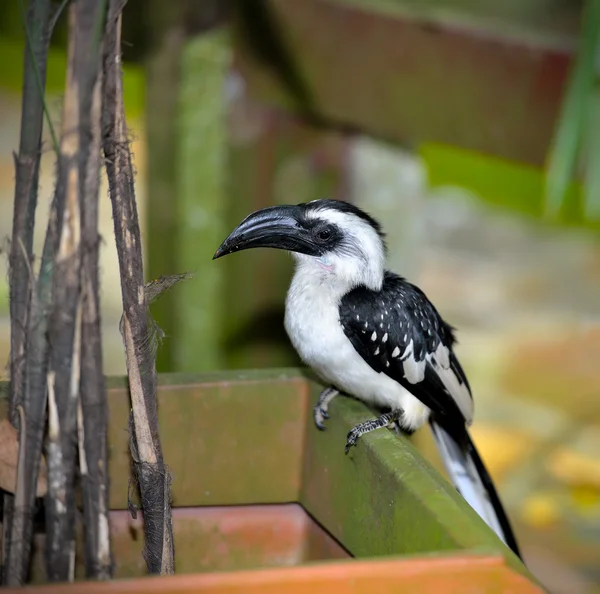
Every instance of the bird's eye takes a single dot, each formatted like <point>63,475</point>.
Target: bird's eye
<point>324,234</point>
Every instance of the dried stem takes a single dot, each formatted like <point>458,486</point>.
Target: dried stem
<point>18,519</point>
<point>27,165</point>
<point>93,418</point>
<point>77,158</point>
<point>64,366</point>
<point>149,467</point>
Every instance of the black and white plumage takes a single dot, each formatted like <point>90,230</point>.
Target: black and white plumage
<point>370,333</point>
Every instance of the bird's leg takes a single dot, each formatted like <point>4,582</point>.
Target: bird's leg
<point>386,420</point>
<point>320,410</point>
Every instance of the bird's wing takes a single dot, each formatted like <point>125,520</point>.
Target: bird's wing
<point>398,331</point>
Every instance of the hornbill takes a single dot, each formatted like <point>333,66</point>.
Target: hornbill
<point>370,333</point>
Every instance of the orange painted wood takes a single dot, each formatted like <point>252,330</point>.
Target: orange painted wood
<point>452,574</point>
<point>214,539</point>
<point>226,538</point>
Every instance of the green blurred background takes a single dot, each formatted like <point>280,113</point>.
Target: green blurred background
<point>469,127</point>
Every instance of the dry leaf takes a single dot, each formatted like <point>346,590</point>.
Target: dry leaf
<point>9,455</point>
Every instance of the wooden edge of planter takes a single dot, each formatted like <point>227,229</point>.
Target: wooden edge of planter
<point>384,497</point>
<point>191,379</point>
<point>250,422</point>
<point>208,377</point>
<point>451,574</point>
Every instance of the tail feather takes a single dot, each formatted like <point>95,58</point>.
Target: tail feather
<point>472,480</point>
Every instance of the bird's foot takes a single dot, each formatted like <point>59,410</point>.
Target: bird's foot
<point>386,420</point>
<point>320,413</point>
<point>398,427</point>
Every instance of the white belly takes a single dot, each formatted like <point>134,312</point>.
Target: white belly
<point>312,323</point>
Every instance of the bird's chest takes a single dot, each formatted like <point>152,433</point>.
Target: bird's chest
<point>313,326</point>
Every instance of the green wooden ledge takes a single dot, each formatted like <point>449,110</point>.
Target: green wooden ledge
<point>247,437</point>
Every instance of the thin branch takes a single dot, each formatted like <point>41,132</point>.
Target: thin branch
<point>57,12</point>
<point>78,173</point>
<point>41,82</point>
<point>93,422</point>
<point>151,473</point>
<point>18,520</point>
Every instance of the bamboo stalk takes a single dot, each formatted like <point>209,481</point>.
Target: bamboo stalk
<point>27,165</point>
<point>64,366</point>
<point>17,525</point>
<point>136,325</point>
<point>93,409</point>
<point>77,189</point>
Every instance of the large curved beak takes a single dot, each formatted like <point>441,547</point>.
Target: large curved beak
<point>275,227</point>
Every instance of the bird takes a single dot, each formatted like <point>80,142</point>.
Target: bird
<point>371,334</point>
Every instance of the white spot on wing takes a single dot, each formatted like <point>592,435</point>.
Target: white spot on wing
<point>395,352</point>
<point>374,336</point>
<point>440,361</point>
<point>442,355</point>
<point>414,371</point>
<point>377,351</point>
<point>408,351</point>
<point>385,337</point>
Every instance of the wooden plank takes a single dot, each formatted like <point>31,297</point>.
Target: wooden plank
<point>226,442</point>
<point>209,539</point>
<point>384,497</point>
<point>544,21</point>
<point>240,438</point>
<point>452,574</point>
<point>411,81</point>
<point>228,438</point>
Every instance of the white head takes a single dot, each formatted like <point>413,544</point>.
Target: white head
<point>334,240</point>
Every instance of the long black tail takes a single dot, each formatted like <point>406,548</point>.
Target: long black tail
<point>472,480</point>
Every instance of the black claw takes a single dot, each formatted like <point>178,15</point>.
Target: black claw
<point>351,439</point>
<point>316,412</point>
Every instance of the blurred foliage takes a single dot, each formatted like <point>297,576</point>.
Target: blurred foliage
<point>11,74</point>
<point>592,162</point>
<point>577,131</point>
<point>12,44</point>
<point>134,29</point>
<point>514,186</point>
<point>569,190</point>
